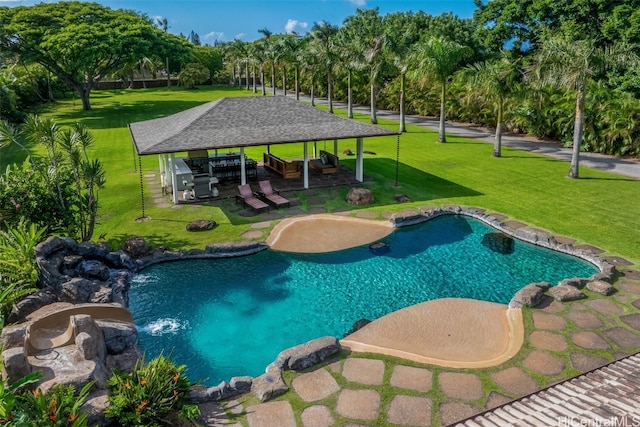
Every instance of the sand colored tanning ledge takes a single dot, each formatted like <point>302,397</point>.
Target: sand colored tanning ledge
<point>451,332</point>
<point>325,233</point>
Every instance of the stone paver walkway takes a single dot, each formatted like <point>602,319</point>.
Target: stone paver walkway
<point>561,341</point>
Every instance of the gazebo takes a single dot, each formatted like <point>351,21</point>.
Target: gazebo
<point>239,122</point>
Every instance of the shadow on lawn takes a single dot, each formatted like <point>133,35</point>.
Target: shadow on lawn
<point>121,114</point>
<point>415,183</point>
<point>171,241</point>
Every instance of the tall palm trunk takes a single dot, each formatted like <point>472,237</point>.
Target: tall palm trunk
<point>442,137</point>
<point>330,91</point>
<point>284,80</point>
<point>312,94</point>
<point>402,121</point>
<point>497,145</point>
<point>255,87</point>
<point>349,96</point>
<point>264,88</point>
<point>273,78</point>
<point>246,75</point>
<point>374,117</point>
<point>578,127</point>
<point>297,84</point>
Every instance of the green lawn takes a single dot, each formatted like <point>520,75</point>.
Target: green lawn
<point>601,209</point>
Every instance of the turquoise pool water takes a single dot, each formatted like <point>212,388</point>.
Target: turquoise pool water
<point>231,317</point>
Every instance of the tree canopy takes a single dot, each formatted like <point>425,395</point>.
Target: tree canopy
<point>523,23</point>
<point>79,42</point>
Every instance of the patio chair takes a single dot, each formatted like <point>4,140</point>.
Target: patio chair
<point>272,196</point>
<point>248,198</point>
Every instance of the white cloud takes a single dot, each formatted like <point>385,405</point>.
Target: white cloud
<point>292,24</point>
<point>239,36</point>
<point>213,36</point>
<point>358,3</point>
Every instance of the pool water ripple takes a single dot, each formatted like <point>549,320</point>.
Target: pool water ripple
<point>232,316</point>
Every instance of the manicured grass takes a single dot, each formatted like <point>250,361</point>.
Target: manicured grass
<point>601,209</point>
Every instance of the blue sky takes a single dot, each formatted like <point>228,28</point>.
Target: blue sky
<point>226,20</point>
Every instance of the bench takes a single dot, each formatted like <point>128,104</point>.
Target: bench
<point>282,167</point>
<point>327,163</point>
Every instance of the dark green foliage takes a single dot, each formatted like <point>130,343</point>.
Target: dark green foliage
<point>152,395</point>
<point>194,74</point>
<point>80,42</point>
<point>59,192</point>
<point>18,270</point>
<point>26,193</point>
<point>59,407</point>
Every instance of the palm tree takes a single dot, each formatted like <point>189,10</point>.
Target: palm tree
<point>89,175</point>
<point>270,53</point>
<point>286,48</point>
<point>322,45</point>
<point>398,48</point>
<point>309,64</point>
<point>68,156</point>
<point>572,64</point>
<point>243,58</point>
<point>164,24</point>
<point>374,57</point>
<point>258,59</point>
<point>351,60</point>
<point>495,80</point>
<point>438,58</point>
<point>365,31</point>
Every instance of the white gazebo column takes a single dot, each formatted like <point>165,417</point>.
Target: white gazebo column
<point>360,160</point>
<point>305,164</point>
<point>335,147</point>
<point>174,179</point>
<point>243,169</point>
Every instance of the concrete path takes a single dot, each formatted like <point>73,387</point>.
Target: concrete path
<point>626,167</point>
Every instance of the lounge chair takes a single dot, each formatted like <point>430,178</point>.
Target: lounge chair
<point>248,198</point>
<point>272,196</point>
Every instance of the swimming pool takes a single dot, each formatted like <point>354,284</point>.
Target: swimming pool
<point>230,317</point>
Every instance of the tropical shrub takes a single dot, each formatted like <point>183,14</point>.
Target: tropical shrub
<point>59,407</point>
<point>11,413</point>
<point>59,191</point>
<point>194,74</point>
<point>152,395</point>
<point>27,194</point>
<point>17,263</point>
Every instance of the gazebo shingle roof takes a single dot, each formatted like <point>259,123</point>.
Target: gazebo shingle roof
<point>243,122</point>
